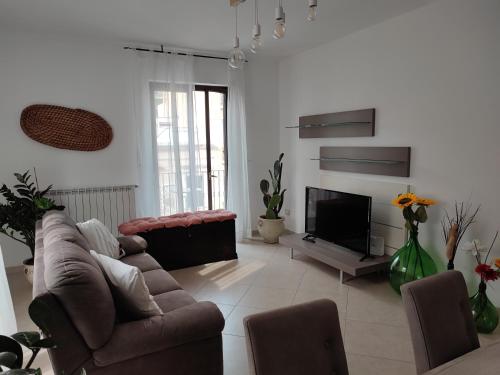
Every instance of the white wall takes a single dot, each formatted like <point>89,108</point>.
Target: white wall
<point>93,75</point>
<point>262,127</point>
<point>433,76</point>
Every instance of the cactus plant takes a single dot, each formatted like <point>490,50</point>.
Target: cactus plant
<point>273,201</point>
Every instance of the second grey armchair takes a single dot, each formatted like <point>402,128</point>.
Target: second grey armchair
<point>440,319</point>
<point>297,340</point>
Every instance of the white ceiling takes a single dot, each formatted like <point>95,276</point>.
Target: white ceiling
<point>198,24</point>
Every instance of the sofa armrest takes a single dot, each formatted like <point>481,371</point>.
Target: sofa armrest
<point>132,244</point>
<point>199,321</point>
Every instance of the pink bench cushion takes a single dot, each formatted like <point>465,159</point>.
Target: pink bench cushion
<point>185,219</point>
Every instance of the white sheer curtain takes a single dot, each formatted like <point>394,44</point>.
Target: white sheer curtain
<point>169,147</point>
<point>8,324</point>
<point>238,199</point>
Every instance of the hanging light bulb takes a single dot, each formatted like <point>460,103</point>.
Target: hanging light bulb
<point>279,23</point>
<point>236,58</point>
<point>256,39</point>
<point>256,33</point>
<point>313,10</point>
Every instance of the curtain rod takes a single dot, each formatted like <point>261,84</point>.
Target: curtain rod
<point>172,53</point>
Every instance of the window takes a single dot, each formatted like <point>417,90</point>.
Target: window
<point>191,146</point>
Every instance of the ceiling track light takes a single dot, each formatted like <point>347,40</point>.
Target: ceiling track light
<point>236,59</point>
<point>256,31</point>
<point>312,12</point>
<point>279,22</point>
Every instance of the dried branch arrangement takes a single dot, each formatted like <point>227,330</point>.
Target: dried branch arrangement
<point>454,227</point>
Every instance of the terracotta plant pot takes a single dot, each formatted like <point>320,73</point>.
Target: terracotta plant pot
<point>270,229</point>
<point>28,269</point>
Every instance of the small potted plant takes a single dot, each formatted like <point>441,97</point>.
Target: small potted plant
<point>485,314</point>
<point>271,225</point>
<point>23,206</point>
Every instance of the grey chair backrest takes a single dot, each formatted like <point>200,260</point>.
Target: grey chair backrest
<point>297,340</point>
<point>440,319</point>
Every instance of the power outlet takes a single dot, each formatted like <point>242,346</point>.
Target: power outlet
<point>287,211</point>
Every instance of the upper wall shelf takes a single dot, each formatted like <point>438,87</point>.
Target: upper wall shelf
<point>360,123</point>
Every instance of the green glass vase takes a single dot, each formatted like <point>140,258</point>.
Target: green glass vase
<point>410,263</point>
<point>485,314</point>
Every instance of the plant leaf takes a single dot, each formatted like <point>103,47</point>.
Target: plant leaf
<point>8,359</point>
<point>27,338</point>
<point>264,186</point>
<point>421,214</point>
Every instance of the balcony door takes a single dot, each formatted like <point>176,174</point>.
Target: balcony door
<point>190,126</point>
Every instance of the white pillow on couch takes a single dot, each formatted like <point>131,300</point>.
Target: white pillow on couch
<point>100,238</point>
<point>128,288</point>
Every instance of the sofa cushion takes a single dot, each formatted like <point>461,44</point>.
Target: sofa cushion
<point>99,237</point>
<point>132,244</point>
<point>173,300</point>
<point>143,261</point>
<point>127,285</point>
<point>73,276</point>
<point>160,281</point>
<point>57,226</point>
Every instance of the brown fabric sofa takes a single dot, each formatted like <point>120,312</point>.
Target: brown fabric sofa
<point>185,340</point>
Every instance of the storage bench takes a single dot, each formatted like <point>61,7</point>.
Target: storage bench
<point>187,239</point>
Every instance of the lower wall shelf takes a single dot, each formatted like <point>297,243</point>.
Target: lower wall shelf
<point>388,161</point>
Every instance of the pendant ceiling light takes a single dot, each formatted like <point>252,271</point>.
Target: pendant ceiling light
<point>313,10</point>
<point>236,57</point>
<point>279,23</point>
<point>256,32</point>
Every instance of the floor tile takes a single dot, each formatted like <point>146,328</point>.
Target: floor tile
<point>337,295</point>
<point>378,340</point>
<point>374,301</point>
<point>267,298</point>
<point>363,365</point>
<point>235,355</point>
<point>234,323</point>
<point>229,294</point>
<point>225,309</point>
<point>281,277</point>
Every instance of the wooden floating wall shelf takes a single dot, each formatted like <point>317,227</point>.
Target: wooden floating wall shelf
<point>360,123</point>
<point>388,161</point>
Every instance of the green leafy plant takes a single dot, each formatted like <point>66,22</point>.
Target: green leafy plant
<point>273,201</point>
<point>24,205</point>
<point>11,352</point>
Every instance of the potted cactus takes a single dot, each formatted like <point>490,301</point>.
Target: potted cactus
<point>271,225</point>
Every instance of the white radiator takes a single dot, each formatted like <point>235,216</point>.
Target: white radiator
<point>112,205</point>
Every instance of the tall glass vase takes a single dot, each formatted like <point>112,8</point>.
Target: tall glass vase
<point>485,314</point>
<point>410,263</point>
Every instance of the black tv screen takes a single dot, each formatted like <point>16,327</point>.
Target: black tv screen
<point>341,218</point>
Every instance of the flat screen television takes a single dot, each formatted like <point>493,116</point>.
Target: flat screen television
<point>338,217</point>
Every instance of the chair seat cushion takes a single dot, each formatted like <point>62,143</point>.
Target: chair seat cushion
<point>173,300</point>
<point>160,281</point>
<point>143,261</point>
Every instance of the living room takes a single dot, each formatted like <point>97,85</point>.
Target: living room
<point>366,100</point>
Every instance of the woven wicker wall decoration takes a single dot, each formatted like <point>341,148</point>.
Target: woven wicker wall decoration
<point>66,128</point>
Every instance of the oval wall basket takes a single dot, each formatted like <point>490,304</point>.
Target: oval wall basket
<point>66,128</point>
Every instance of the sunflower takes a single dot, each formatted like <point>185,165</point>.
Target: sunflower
<point>425,202</point>
<point>404,200</point>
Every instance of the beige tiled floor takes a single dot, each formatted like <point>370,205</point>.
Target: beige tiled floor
<point>374,327</point>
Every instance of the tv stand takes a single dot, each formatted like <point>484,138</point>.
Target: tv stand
<point>346,261</point>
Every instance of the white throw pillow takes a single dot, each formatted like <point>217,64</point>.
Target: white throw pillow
<point>100,238</point>
<point>128,287</point>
